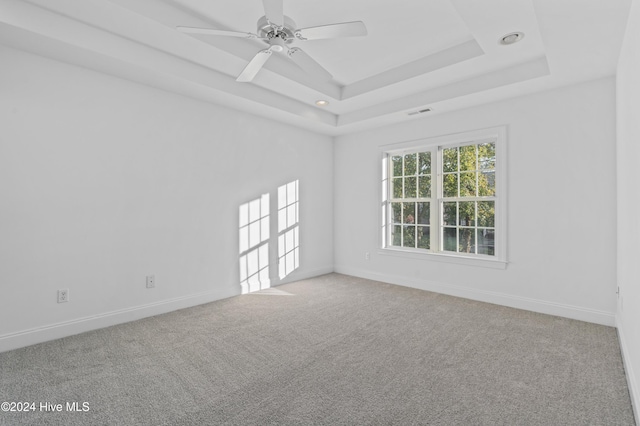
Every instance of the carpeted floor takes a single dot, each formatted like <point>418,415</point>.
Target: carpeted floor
<point>334,350</point>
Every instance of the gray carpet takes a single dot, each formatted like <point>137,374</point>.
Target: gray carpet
<point>332,350</point>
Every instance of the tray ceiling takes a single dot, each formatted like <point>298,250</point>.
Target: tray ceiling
<point>441,54</point>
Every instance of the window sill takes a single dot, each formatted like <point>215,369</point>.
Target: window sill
<point>447,258</point>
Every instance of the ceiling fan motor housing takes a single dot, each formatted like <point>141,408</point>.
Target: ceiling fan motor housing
<point>269,31</point>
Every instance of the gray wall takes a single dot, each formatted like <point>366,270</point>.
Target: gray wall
<point>104,181</point>
<point>561,204</point>
<point>628,113</point>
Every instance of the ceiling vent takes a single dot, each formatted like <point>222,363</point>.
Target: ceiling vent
<point>422,111</point>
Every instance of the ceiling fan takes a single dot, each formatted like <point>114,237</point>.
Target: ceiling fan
<point>278,31</point>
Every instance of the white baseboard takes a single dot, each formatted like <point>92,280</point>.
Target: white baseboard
<point>80,325</point>
<point>535,305</point>
<point>632,382</point>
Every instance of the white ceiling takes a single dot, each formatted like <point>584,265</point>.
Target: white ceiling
<point>438,54</point>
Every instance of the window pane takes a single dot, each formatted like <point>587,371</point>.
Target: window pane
<point>466,213</point>
<point>450,160</point>
<point>397,187</point>
<point>424,213</point>
<point>449,213</point>
<point>410,187</point>
<point>487,184</point>
<point>424,187</point>
<point>486,213</point>
<point>468,184</point>
<point>397,235</point>
<point>410,164</point>
<point>486,238</point>
<point>409,239</point>
<point>450,185</point>
<point>408,212</point>
<point>396,161</point>
<point>424,163</point>
<point>467,241</point>
<point>396,212</point>
<point>468,158</point>
<point>487,156</point>
<point>424,237</point>
<point>450,239</point>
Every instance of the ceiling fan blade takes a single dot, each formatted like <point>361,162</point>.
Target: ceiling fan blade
<point>254,66</point>
<point>344,29</point>
<point>308,64</point>
<point>274,12</point>
<point>209,31</point>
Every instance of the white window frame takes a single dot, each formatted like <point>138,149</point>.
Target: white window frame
<point>435,145</point>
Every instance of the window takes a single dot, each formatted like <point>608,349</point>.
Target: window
<point>445,196</point>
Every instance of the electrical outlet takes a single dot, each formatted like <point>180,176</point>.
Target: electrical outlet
<point>367,256</point>
<point>151,281</point>
<point>63,295</point>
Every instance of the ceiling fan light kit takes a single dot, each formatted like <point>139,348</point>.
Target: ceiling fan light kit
<point>279,31</point>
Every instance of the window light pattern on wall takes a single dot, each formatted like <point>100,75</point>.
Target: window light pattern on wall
<point>288,229</point>
<point>254,245</point>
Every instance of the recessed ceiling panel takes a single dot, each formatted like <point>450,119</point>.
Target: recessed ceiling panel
<point>427,27</point>
<point>437,54</point>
